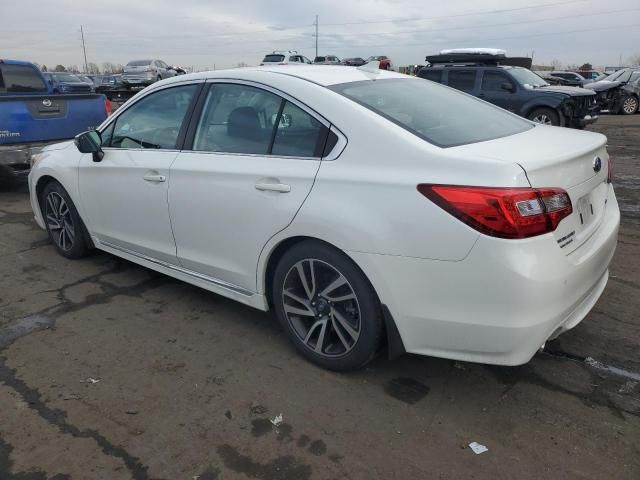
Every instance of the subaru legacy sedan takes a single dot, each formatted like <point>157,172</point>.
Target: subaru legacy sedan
<point>365,209</point>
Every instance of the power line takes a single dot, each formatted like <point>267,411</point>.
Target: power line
<point>467,27</point>
<point>486,12</point>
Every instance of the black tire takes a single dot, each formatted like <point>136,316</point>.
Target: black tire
<point>71,239</point>
<point>628,105</point>
<point>364,311</point>
<point>545,116</point>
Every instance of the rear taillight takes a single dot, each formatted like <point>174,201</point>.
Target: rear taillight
<point>610,170</point>
<point>502,212</point>
<point>107,107</point>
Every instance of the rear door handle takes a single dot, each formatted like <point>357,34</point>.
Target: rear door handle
<point>151,177</point>
<point>273,187</point>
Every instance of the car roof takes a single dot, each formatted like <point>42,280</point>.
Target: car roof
<point>325,75</point>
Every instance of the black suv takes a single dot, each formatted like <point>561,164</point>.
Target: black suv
<point>516,89</point>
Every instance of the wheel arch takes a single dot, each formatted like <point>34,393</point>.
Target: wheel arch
<point>391,335</point>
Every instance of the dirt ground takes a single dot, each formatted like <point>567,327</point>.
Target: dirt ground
<point>111,371</point>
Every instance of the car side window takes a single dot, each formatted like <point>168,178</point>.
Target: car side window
<point>462,79</point>
<point>298,134</point>
<point>493,81</point>
<point>237,119</point>
<point>154,121</point>
<point>431,74</point>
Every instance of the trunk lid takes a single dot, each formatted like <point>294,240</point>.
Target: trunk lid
<point>559,157</point>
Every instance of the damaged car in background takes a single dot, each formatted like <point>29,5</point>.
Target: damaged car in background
<point>619,92</point>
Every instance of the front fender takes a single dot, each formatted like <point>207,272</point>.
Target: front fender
<point>542,101</point>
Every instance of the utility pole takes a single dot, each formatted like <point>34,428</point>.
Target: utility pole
<point>316,35</point>
<point>84,49</point>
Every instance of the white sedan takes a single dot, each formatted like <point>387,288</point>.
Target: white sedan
<point>365,208</point>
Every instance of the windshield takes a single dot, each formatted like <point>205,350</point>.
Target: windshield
<point>619,76</point>
<point>273,58</point>
<point>139,63</point>
<point>527,77</point>
<point>65,77</point>
<point>440,115</point>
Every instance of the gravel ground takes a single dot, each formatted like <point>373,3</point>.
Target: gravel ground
<point>111,371</point>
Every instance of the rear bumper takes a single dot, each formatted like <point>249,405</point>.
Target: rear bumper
<point>15,160</point>
<point>502,302</point>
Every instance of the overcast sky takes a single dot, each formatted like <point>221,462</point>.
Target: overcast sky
<point>204,33</point>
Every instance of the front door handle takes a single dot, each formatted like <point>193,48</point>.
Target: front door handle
<point>273,187</point>
<point>152,177</point>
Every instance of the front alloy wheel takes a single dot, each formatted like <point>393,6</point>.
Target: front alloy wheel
<point>59,221</point>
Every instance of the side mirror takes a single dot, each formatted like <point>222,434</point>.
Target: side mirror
<point>90,142</point>
<point>508,86</point>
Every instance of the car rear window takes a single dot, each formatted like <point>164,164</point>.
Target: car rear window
<point>20,78</point>
<point>273,58</point>
<point>437,114</point>
<point>139,63</point>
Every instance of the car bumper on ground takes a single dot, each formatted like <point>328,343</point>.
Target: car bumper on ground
<point>502,302</point>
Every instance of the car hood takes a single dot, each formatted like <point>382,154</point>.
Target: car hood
<point>571,91</point>
<point>602,85</point>
<point>58,146</point>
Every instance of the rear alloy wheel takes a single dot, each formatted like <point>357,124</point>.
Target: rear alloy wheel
<point>64,226</point>
<point>629,105</point>
<point>327,307</point>
<point>545,116</point>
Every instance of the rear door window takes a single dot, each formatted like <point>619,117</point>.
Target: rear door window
<point>462,79</point>
<point>431,74</point>
<point>237,119</point>
<point>298,134</point>
<point>493,81</point>
<point>20,79</point>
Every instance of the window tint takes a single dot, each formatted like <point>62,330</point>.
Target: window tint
<point>106,134</point>
<point>492,81</point>
<point>436,114</point>
<point>237,119</point>
<point>154,121</point>
<point>20,78</point>
<point>139,63</point>
<point>298,134</point>
<point>462,79</point>
<point>431,74</point>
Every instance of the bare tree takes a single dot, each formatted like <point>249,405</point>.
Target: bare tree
<point>108,67</point>
<point>556,64</point>
<point>72,68</point>
<point>93,68</point>
<point>44,68</point>
<point>634,60</point>
<point>242,65</point>
<point>60,68</point>
<point>118,68</point>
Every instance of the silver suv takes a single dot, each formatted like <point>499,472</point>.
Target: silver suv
<point>327,60</point>
<point>285,57</point>
<point>140,73</point>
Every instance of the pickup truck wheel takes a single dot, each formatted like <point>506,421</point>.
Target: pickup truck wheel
<point>64,225</point>
<point>545,116</point>
<point>629,105</point>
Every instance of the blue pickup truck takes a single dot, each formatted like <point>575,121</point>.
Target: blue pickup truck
<point>32,116</point>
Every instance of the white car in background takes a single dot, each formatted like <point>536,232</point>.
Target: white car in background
<point>286,57</point>
<point>361,206</point>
